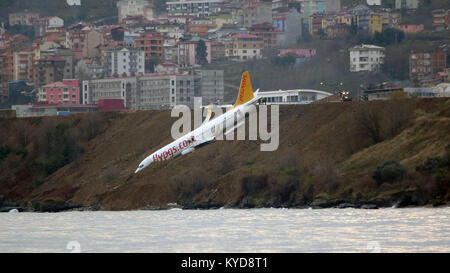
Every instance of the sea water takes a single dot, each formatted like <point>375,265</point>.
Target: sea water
<point>229,230</point>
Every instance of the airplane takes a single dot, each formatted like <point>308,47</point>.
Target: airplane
<point>210,129</point>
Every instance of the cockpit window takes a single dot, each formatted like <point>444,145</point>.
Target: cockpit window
<point>141,166</point>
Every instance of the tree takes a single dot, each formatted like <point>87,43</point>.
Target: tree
<point>150,65</point>
<point>321,33</point>
<point>201,53</point>
<point>287,60</point>
<point>389,171</point>
<point>353,27</point>
<point>305,37</point>
<point>388,36</point>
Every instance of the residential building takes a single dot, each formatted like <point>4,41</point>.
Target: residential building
<point>92,40</point>
<point>63,53</point>
<point>157,91</point>
<point>171,31</point>
<point>426,64</point>
<point>268,33</point>
<point>82,38</point>
<point>35,109</point>
<point>407,4</point>
<point>290,24</point>
<point>123,88</point>
<point>410,28</point>
<point>89,69</point>
<point>298,52</point>
<point>198,8</point>
<point>132,8</point>
<point>217,51</point>
<point>391,19</point>
<point>441,19</point>
<point>211,86</point>
<point>152,44</point>
<point>200,27</point>
<point>66,91</point>
<point>48,70</point>
<point>257,12</point>
<point>23,65</point>
<point>186,53</point>
<point>333,6</point>
<point>171,53</point>
<point>440,91</point>
<point>337,31</point>
<point>129,37</point>
<point>124,61</point>
<point>309,8</point>
<point>221,18</point>
<point>375,23</point>
<point>46,24</point>
<point>166,68</point>
<point>366,58</point>
<point>316,23</point>
<point>361,16</point>
<point>244,47</point>
<point>23,18</point>
<point>6,71</point>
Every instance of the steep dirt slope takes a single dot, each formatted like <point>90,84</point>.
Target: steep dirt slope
<point>326,152</point>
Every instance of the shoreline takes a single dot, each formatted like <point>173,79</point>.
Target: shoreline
<point>323,205</point>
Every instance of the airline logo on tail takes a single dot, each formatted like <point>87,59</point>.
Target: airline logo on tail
<point>245,91</point>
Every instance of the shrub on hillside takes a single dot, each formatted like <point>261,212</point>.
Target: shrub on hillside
<point>430,166</point>
<point>4,151</point>
<point>253,184</point>
<point>389,171</point>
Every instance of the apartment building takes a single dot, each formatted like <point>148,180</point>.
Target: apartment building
<point>364,58</point>
<point>124,61</point>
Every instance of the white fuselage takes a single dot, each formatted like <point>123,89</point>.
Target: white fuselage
<point>205,133</point>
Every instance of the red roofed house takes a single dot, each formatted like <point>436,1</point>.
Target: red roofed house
<point>66,91</point>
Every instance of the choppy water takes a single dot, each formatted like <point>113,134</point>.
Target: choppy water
<point>229,230</point>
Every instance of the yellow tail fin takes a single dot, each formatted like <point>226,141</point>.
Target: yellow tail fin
<point>245,90</point>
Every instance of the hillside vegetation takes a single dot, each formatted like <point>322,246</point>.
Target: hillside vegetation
<point>339,154</point>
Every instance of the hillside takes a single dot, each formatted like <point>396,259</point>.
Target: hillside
<point>327,156</point>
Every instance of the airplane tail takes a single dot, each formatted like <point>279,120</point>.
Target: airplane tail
<point>245,90</point>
